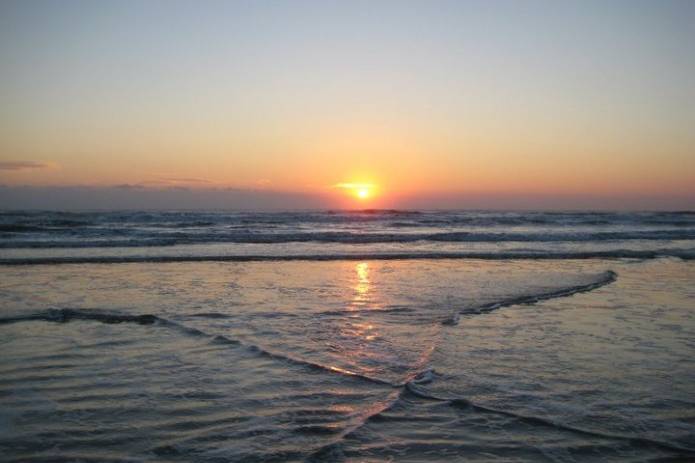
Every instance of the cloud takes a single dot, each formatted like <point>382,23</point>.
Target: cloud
<point>353,186</point>
<point>134,196</point>
<point>187,180</point>
<point>167,180</point>
<point>24,165</point>
<point>129,186</point>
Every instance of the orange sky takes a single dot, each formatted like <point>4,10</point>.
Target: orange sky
<point>577,99</point>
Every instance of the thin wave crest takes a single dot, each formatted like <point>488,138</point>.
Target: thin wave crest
<point>603,279</point>
<point>461,402</point>
<point>111,238</point>
<point>67,315</point>
<point>500,255</point>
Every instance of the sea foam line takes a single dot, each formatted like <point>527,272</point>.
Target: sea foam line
<point>461,402</point>
<point>604,279</point>
<point>66,315</point>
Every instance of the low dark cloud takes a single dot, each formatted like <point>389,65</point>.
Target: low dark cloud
<point>178,180</point>
<point>23,165</point>
<point>144,197</point>
<point>135,196</point>
<point>129,186</point>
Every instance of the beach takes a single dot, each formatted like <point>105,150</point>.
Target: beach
<point>334,358</point>
<point>347,232</point>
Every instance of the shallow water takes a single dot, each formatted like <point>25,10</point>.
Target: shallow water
<point>363,360</point>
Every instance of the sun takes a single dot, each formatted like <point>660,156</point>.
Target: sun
<point>360,191</point>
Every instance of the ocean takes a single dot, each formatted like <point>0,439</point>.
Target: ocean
<point>347,336</point>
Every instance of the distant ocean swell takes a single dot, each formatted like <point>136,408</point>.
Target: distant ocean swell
<point>85,238</point>
<point>130,236</point>
<point>519,255</point>
<point>168,219</point>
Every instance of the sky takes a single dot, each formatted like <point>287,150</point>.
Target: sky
<point>302,104</point>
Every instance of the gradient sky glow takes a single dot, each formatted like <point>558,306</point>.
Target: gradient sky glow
<point>432,102</point>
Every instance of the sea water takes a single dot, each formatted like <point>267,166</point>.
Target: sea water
<point>347,336</point>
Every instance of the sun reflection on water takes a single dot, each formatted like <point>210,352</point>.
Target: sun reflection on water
<point>361,299</point>
<point>362,288</point>
<point>357,347</point>
<point>362,270</point>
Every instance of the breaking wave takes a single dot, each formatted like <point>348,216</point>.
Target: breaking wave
<point>169,238</point>
<point>502,255</point>
<point>460,402</point>
<point>603,279</point>
<point>65,315</point>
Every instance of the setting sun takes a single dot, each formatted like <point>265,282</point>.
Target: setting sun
<point>361,191</point>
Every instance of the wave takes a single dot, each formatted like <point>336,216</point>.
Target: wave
<point>502,255</point>
<point>451,216</point>
<point>333,450</point>
<point>412,385</point>
<point>65,315</point>
<point>602,279</point>
<point>418,376</point>
<point>461,402</point>
<point>106,238</point>
<point>375,212</point>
